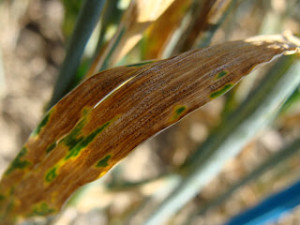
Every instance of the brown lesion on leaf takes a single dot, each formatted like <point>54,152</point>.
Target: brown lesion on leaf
<point>249,69</point>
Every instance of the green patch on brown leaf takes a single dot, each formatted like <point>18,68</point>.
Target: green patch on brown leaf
<point>41,209</point>
<point>178,112</point>
<point>51,175</point>
<point>18,163</point>
<point>221,74</point>
<point>103,162</point>
<point>221,91</point>
<point>83,142</point>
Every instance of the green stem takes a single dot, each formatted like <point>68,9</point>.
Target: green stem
<point>131,185</point>
<point>105,64</point>
<point>86,22</point>
<point>275,159</point>
<point>111,16</point>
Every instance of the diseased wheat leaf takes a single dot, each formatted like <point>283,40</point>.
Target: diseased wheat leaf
<point>62,118</point>
<point>108,115</point>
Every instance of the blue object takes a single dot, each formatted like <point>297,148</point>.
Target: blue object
<point>270,209</point>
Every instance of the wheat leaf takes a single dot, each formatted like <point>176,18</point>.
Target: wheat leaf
<point>108,115</point>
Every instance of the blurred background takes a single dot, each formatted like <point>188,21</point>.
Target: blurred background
<point>33,38</point>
